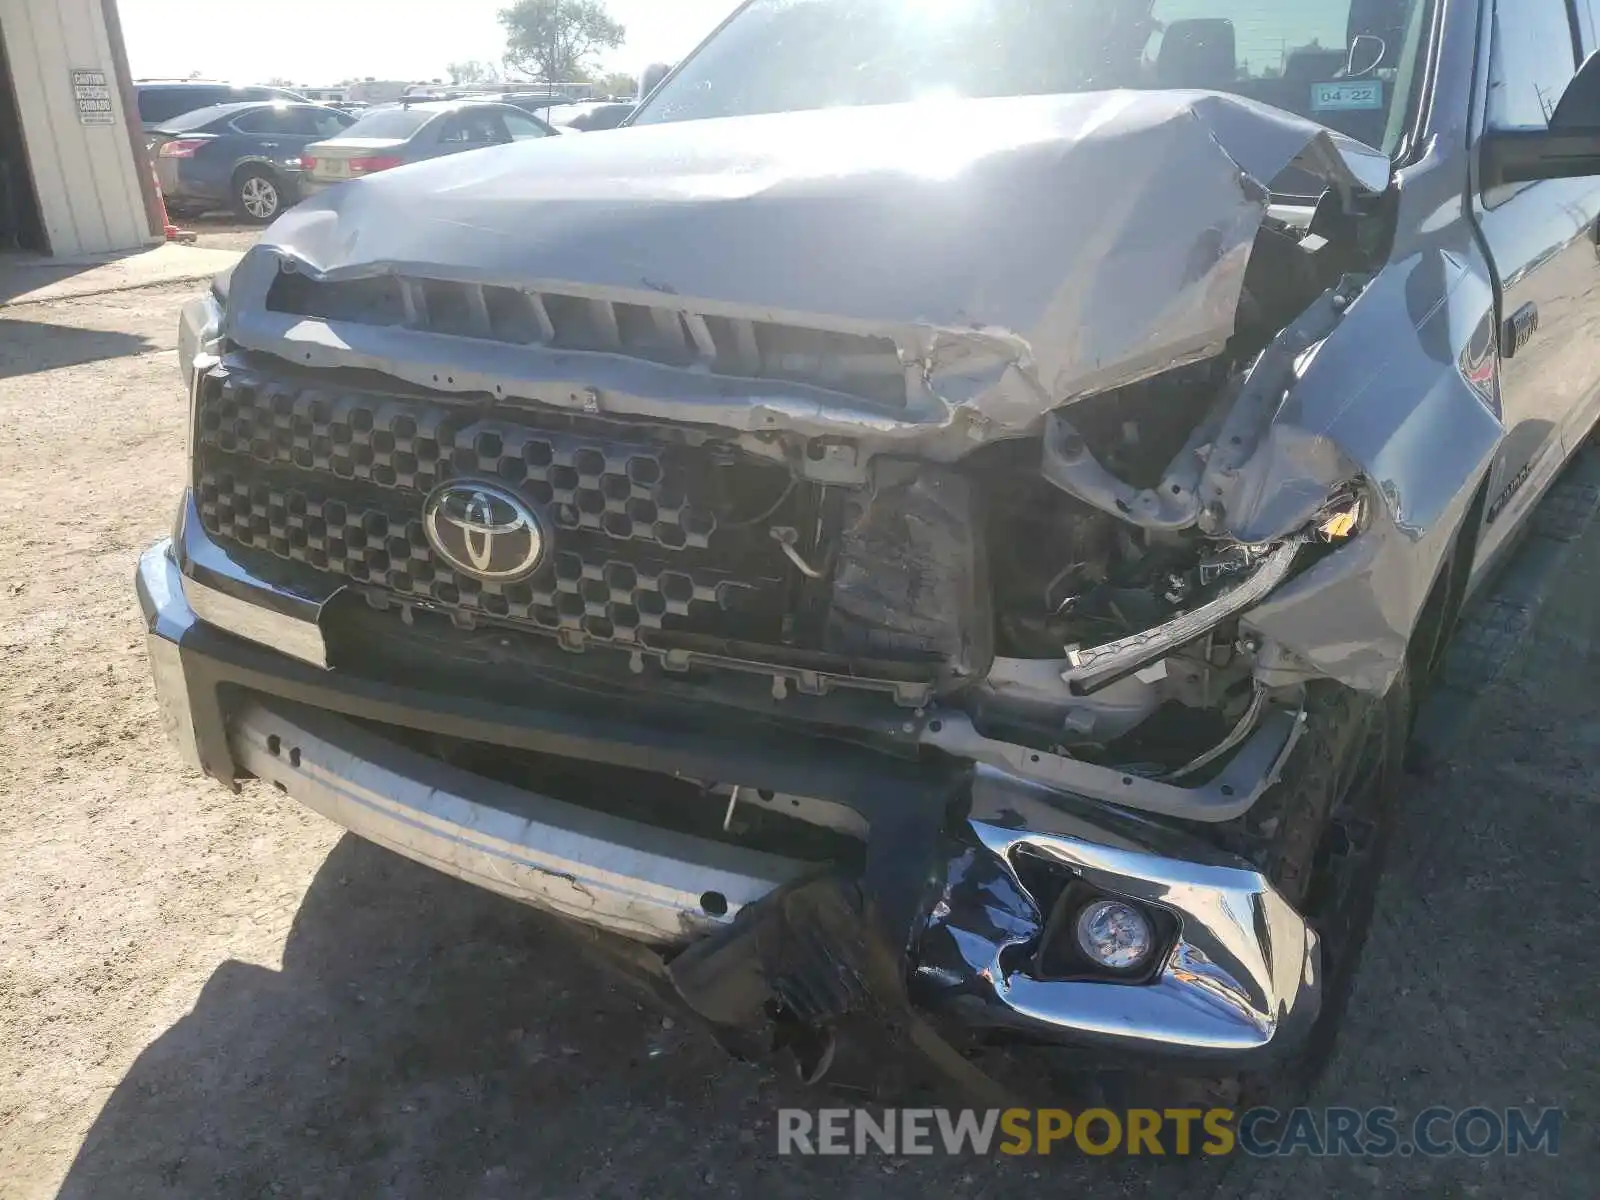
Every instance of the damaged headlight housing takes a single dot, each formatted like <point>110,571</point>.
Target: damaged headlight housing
<point>1343,518</point>
<point>1260,570</point>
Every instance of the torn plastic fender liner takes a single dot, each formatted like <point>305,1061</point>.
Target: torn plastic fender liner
<point>806,965</point>
<point>904,847</point>
<point>827,956</point>
<point>800,219</point>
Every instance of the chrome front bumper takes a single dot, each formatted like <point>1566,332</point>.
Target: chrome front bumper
<point>1239,980</point>
<point>651,884</point>
<point>655,885</point>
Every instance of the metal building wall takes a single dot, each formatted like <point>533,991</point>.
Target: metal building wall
<point>85,177</point>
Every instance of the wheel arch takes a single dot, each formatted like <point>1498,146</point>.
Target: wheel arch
<point>254,165</point>
<point>1436,622</point>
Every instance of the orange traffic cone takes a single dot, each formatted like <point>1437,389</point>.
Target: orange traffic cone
<point>174,234</point>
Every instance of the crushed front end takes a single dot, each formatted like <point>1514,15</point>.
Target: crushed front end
<point>882,649</point>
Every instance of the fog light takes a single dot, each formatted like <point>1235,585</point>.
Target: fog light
<point>1114,934</point>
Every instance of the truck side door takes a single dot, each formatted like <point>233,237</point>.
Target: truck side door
<point>1542,240</point>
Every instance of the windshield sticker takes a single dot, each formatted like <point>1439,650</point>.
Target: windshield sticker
<point>1349,95</point>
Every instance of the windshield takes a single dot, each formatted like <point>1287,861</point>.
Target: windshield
<point>396,123</point>
<point>1348,64</point>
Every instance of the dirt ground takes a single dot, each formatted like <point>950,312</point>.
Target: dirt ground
<point>219,231</point>
<point>205,994</point>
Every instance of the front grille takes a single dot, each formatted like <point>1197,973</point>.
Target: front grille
<point>627,491</point>
<point>369,539</point>
<point>859,365</point>
<point>335,479</point>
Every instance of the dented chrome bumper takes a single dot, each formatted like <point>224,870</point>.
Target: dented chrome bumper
<point>1236,976</point>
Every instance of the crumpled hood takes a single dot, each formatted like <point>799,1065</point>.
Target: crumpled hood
<point>1103,236</point>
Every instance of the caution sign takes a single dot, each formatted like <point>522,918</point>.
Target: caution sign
<point>93,96</point>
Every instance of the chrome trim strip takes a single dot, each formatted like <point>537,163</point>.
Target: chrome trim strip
<point>199,323</point>
<point>167,619</point>
<point>249,620</point>
<point>1097,666</point>
<point>633,879</point>
<point>160,587</point>
<point>226,594</point>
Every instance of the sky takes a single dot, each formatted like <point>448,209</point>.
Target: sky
<point>317,42</point>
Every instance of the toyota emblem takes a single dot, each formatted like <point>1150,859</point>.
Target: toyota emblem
<point>483,530</point>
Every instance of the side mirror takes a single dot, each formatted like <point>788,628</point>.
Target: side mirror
<point>1568,149</point>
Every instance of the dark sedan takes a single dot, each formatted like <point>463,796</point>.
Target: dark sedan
<point>398,134</point>
<point>240,156</point>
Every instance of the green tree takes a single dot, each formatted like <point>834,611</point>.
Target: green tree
<point>472,71</point>
<point>619,83</point>
<point>554,40</point>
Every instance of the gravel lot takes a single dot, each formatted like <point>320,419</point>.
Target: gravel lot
<point>219,231</point>
<point>206,994</point>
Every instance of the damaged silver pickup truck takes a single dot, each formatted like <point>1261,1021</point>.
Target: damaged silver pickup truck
<point>959,566</point>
